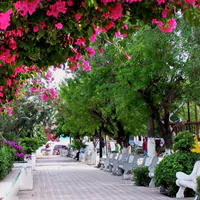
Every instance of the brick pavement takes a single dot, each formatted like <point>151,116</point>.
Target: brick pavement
<point>64,179</point>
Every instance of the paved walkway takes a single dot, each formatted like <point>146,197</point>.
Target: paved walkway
<point>64,179</point>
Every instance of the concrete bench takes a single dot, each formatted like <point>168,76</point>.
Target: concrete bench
<point>108,161</point>
<point>20,178</point>
<point>113,161</point>
<point>125,168</point>
<point>103,160</point>
<point>122,159</point>
<point>151,171</point>
<point>187,181</point>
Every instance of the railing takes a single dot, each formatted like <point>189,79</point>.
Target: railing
<point>193,127</point>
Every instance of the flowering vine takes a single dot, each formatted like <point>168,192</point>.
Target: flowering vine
<point>37,34</point>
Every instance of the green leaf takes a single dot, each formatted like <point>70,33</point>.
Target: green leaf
<point>40,34</point>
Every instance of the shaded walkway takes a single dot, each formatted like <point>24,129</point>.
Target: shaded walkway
<point>64,179</point>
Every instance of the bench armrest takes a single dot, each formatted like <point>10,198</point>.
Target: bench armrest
<point>183,176</point>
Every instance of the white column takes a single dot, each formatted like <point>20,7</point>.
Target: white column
<point>151,147</point>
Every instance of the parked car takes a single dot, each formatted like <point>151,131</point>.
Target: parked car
<point>57,148</point>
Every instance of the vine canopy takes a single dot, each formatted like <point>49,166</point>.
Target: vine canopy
<point>36,34</point>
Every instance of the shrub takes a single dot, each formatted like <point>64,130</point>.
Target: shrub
<point>198,186</point>
<point>30,145</point>
<point>7,156</point>
<point>141,177</point>
<point>183,141</point>
<point>182,160</point>
<point>19,151</point>
<point>165,171</point>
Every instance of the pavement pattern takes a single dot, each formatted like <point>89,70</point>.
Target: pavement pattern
<point>59,178</point>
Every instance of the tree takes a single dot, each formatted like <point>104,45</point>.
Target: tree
<point>92,100</point>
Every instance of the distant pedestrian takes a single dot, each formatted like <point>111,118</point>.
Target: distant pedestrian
<point>129,149</point>
<point>144,146</point>
<point>77,155</point>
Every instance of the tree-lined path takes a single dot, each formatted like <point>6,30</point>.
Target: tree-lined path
<point>59,178</point>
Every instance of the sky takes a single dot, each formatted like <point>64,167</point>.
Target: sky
<point>59,76</point>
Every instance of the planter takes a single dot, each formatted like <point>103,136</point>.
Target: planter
<point>9,186</point>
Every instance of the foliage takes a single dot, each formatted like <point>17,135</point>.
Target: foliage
<point>198,186</point>
<point>183,141</point>
<point>141,176</point>
<point>119,91</point>
<point>40,134</point>
<point>165,171</point>
<point>30,145</point>
<point>7,156</point>
<point>39,34</point>
<point>77,144</point>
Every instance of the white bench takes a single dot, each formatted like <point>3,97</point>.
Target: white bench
<point>108,160</point>
<point>187,181</point>
<point>125,168</point>
<point>122,159</point>
<point>151,171</point>
<point>113,161</point>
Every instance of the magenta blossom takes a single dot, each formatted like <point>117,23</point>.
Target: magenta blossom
<point>59,25</point>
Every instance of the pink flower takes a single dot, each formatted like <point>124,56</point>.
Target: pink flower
<point>118,34</point>
<point>116,12</point>
<point>91,51</point>
<point>107,1</point>
<point>97,31</point>
<point>78,17</point>
<point>9,82</point>
<point>35,29</point>
<point>42,25</point>
<point>1,94</point>
<point>171,24</point>
<point>158,22</point>
<point>10,111</point>
<point>59,25</point>
<point>56,8</point>
<point>26,6</point>
<point>191,2</point>
<point>125,26</point>
<point>53,93</point>
<point>86,65</point>
<point>44,97</point>
<point>133,1</point>
<point>83,4</point>
<point>70,3</point>
<point>164,13</point>
<point>80,41</point>
<point>101,50</point>
<point>160,1</point>
<point>5,19</point>
<point>110,25</point>
<point>127,57</point>
<point>73,68</point>
<point>78,56</point>
<point>1,87</point>
<point>93,38</point>
<point>48,75</point>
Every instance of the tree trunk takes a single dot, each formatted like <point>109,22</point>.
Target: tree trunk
<point>122,139</point>
<point>151,146</point>
<point>100,143</point>
<point>164,129</point>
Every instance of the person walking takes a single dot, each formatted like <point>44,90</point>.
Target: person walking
<point>144,146</point>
